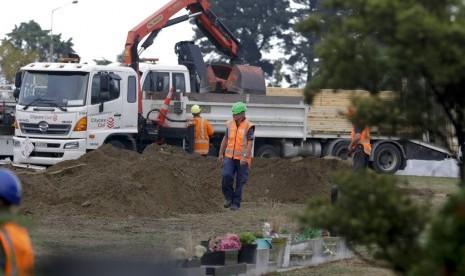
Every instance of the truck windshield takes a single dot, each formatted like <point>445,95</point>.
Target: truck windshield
<point>59,89</point>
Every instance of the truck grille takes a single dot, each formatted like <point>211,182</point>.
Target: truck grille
<point>61,129</point>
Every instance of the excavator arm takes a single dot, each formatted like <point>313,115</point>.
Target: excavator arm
<point>241,78</point>
<point>206,21</point>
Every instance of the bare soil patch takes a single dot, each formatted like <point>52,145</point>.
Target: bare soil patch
<point>163,181</point>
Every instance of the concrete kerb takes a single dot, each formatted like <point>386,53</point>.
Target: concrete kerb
<point>317,251</point>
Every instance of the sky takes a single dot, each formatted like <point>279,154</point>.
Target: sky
<point>98,27</point>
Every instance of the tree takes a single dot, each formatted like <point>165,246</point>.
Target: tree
<point>415,49</point>
<point>444,247</point>
<point>31,38</point>
<point>299,47</point>
<point>12,58</point>
<point>258,26</point>
<point>27,43</point>
<point>277,73</point>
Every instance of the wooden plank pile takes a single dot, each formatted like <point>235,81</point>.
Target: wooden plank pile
<point>327,112</point>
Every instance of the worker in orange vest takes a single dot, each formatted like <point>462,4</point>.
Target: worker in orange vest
<point>236,155</point>
<point>16,254</point>
<point>359,145</point>
<point>203,131</point>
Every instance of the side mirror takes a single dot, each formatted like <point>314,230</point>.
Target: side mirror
<point>105,82</point>
<point>104,97</point>
<point>16,93</point>
<point>18,79</point>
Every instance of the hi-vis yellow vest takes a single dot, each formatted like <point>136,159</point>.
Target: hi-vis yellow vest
<point>202,133</point>
<point>237,140</point>
<point>18,250</point>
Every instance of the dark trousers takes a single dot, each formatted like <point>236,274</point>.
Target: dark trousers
<point>232,169</point>
<point>361,159</point>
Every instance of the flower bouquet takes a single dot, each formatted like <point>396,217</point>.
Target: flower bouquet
<point>224,250</point>
<point>226,242</point>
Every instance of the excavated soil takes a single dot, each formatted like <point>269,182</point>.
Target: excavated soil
<point>163,181</point>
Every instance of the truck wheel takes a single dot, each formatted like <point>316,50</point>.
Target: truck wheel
<point>117,144</point>
<point>387,159</point>
<point>267,151</point>
<point>340,150</point>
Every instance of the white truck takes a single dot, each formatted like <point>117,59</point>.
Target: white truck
<point>67,109</point>
<point>7,113</point>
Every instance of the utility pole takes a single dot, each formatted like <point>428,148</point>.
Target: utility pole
<point>50,54</point>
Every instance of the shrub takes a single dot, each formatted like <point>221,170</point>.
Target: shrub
<point>372,211</point>
<point>247,237</point>
<point>445,242</point>
<point>309,233</point>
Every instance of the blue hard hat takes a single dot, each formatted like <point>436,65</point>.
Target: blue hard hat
<point>10,187</point>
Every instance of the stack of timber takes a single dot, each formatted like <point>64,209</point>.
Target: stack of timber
<point>327,112</point>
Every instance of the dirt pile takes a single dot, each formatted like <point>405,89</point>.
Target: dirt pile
<point>163,181</point>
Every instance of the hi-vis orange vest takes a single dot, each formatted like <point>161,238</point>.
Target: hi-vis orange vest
<point>18,250</point>
<point>237,140</point>
<point>364,139</point>
<point>202,133</point>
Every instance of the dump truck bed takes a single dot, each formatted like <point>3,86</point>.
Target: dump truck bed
<point>276,116</point>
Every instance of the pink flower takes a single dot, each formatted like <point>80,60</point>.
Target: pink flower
<point>226,242</point>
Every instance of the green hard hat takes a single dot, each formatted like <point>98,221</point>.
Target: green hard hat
<point>238,107</point>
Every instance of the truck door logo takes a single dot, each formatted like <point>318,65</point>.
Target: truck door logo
<point>111,122</point>
<point>43,126</point>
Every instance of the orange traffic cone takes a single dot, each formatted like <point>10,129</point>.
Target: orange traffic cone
<point>161,119</point>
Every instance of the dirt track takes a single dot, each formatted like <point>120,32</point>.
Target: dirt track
<point>162,182</point>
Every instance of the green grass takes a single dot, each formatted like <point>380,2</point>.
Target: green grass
<point>441,185</point>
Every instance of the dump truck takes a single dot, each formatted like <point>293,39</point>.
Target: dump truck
<point>67,109</point>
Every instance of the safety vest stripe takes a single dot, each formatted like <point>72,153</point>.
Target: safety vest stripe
<point>202,132</point>
<point>9,244</point>
<point>201,151</point>
<point>244,139</point>
<point>204,141</point>
<point>228,150</point>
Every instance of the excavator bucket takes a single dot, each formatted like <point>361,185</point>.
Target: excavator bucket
<point>238,79</point>
<point>246,79</point>
<point>214,78</point>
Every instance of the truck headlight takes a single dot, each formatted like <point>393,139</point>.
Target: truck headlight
<point>71,145</point>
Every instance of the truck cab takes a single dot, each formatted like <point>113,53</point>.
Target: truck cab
<point>67,109</point>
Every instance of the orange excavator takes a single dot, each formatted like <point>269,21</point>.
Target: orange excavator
<point>232,78</point>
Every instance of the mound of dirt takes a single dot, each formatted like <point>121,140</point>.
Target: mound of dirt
<point>163,181</point>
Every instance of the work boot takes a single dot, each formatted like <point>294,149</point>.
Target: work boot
<point>234,208</point>
<point>227,203</point>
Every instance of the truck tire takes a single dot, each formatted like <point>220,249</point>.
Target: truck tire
<point>117,144</point>
<point>267,151</point>
<point>387,159</point>
<point>340,150</point>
